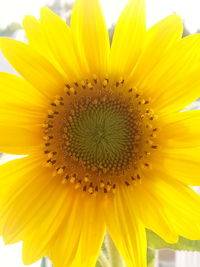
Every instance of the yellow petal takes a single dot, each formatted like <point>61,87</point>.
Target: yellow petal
<point>21,114</point>
<point>182,164</point>
<point>35,35</point>
<point>165,83</point>
<point>23,197</point>
<point>20,130</point>
<point>17,91</point>
<point>13,176</point>
<point>85,234</point>
<point>158,40</point>
<point>91,36</point>
<point>92,233</point>
<point>180,204</point>
<point>151,212</point>
<point>32,66</point>
<point>40,224</point>
<point>60,41</point>
<point>126,229</point>
<point>33,206</point>
<point>181,130</point>
<point>60,251</point>
<point>37,39</point>
<point>128,39</point>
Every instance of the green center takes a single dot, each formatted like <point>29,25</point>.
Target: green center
<point>101,135</point>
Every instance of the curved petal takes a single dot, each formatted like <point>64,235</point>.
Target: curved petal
<point>178,70</point>
<point>45,220</point>
<point>180,203</point>
<point>33,205</point>
<point>32,66</point>
<point>21,114</point>
<point>91,36</point>
<point>59,38</point>
<point>37,39</point>
<point>17,91</point>
<point>126,229</point>
<point>181,130</point>
<point>35,35</point>
<point>20,130</point>
<point>14,179</point>
<point>83,228</point>
<point>181,164</point>
<point>151,212</point>
<point>158,40</point>
<point>128,39</point>
<point>92,233</point>
<point>24,182</point>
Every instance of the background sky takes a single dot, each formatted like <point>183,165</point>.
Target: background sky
<point>14,10</point>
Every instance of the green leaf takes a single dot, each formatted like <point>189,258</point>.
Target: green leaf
<point>98,264</point>
<point>156,242</point>
<point>151,255</point>
<point>43,263</point>
<point>114,256</point>
<point>103,260</point>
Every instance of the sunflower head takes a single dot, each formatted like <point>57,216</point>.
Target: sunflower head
<point>97,135</point>
<point>107,145</point>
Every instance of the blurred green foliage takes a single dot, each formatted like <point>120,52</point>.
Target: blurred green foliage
<point>10,29</point>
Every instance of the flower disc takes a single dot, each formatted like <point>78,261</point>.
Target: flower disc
<point>96,136</point>
<point>101,134</point>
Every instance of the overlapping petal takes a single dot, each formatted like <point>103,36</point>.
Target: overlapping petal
<point>35,68</point>
<point>165,83</point>
<point>35,36</point>
<point>79,240</point>
<point>90,37</point>
<point>45,219</point>
<point>182,164</point>
<point>126,229</point>
<point>18,92</point>
<point>180,130</point>
<point>33,206</point>
<point>21,114</point>
<point>179,202</point>
<point>128,39</point>
<point>16,123</point>
<point>151,212</point>
<point>15,179</point>
<point>159,39</point>
<point>59,39</point>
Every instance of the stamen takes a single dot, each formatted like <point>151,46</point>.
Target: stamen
<point>95,78</point>
<point>105,83</point>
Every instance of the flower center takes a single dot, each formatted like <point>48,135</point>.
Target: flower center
<point>101,134</point>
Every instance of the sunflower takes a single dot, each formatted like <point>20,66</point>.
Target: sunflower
<point>107,145</point>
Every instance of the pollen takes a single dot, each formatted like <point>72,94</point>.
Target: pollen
<point>99,135</point>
